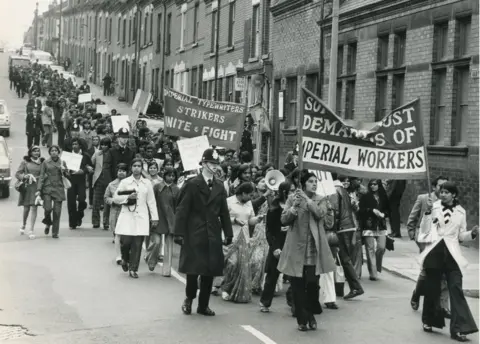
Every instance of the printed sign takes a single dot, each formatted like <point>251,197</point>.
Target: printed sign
<point>239,84</point>
<point>191,151</point>
<point>72,160</point>
<point>390,149</point>
<point>84,98</point>
<point>325,185</point>
<point>119,122</point>
<point>188,117</point>
<point>103,109</point>
<point>141,102</point>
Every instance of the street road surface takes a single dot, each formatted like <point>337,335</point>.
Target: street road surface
<point>70,291</point>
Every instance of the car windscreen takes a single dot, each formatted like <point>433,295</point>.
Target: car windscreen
<point>20,62</point>
<point>43,57</point>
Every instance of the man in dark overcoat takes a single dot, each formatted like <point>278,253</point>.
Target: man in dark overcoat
<point>201,214</point>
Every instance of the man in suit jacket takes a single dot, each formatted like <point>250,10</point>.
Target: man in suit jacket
<point>413,224</point>
<point>201,214</point>
<point>119,154</point>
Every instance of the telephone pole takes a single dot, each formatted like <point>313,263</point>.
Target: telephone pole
<point>332,86</point>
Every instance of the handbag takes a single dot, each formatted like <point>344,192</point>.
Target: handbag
<point>389,245</point>
<point>20,186</point>
<point>332,238</point>
<point>66,182</point>
<point>339,278</point>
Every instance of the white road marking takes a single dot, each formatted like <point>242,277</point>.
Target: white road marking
<point>260,336</point>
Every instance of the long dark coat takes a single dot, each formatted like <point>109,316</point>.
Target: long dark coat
<point>201,215</point>
<point>166,203</point>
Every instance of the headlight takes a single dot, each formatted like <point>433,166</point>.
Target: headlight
<point>5,172</point>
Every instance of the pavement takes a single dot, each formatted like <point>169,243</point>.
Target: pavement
<point>403,262</point>
<point>70,291</point>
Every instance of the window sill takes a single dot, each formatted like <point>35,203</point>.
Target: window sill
<point>149,43</point>
<point>290,131</point>
<point>265,56</point>
<point>181,49</point>
<point>118,43</point>
<point>194,45</point>
<point>252,59</point>
<point>447,150</point>
<point>231,48</point>
<point>212,55</point>
<point>458,61</point>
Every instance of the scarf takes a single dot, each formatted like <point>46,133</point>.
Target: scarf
<point>447,211</point>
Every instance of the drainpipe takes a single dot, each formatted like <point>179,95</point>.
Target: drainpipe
<point>217,44</point>
<point>138,14</point>
<point>321,55</point>
<point>162,77</point>
<point>95,54</point>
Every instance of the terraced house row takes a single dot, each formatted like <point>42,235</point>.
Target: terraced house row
<point>389,52</point>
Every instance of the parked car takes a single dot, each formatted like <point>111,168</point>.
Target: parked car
<point>5,119</point>
<point>2,50</point>
<point>5,168</point>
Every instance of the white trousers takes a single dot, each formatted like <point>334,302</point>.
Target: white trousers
<point>327,288</point>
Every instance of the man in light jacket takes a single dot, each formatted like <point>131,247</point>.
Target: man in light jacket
<point>413,224</point>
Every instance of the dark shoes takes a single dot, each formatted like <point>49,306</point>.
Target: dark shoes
<point>55,236</point>
<point>331,305</point>
<point>312,323</point>
<point>124,266</point>
<point>427,328</point>
<point>207,312</point>
<point>353,293</point>
<point>133,274</point>
<point>302,328</point>
<point>47,230</point>
<point>414,301</point>
<point>447,314</point>
<point>459,337</point>
<point>187,306</point>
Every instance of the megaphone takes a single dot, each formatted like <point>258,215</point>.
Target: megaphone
<point>273,179</point>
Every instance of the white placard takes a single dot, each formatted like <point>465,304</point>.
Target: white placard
<point>191,151</point>
<point>72,160</point>
<point>325,186</point>
<point>119,122</point>
<point>239,84</point>
<point>103,109</point>
<point>84,98</point>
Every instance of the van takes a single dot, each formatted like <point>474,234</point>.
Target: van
<point>18,61</point>
<point>43,57</point>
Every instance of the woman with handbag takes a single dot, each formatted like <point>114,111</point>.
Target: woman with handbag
<point>443,227</point>
<point>51,188</point>
<point>137,198</point>
<point>27,176</point>
<point>306,253</point>
<point>373,211</point>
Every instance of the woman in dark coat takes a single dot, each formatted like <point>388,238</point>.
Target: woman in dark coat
<point>166,194</point>
<point>276,234</point>
<point>372,214</point>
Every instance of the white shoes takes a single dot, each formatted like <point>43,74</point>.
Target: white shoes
<point>225,296</point>
<point>31,236</point>
<point>22,230</point>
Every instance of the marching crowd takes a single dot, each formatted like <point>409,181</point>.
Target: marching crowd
<point>241,231</point>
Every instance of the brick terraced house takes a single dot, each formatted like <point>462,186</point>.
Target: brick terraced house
<point>389,53</point>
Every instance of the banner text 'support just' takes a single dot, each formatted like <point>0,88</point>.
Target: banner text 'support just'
<point>188,116</point>
<point>392,148</point>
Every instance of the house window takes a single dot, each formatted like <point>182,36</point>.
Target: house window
<point>292,101</point>
<point>172,75</point>
<point>350,100</point>
<point>381,103</point>
<point>110,30</point>
<point>169,34</point>
<point>194,82</point>
<point>214,32</point>
<point>183,25</point>
<point>129,31</point>
<point>167,78</point>
<point>119,27</point>
<point>312,82</point>
<point>266,27</point>
<point>398,91</point>
<point>135,28</point>
<point>460,122</point>
<point>462,36</point>
<point>440,41</point>
<point>231,23</point>
<point>205,90</point>
<point>144,76</point>
<point>145,29</point>
<point>151,30</point>
<point>201,90</point>
<point>211,89</point>
<point>340,60</point>
<point>438,88</point>
<point>159,32</point>
<point>219,89</point>
<point>106,28</point>
<point>124,41</point>
<point>338,101</point>
<point>382,59</point>
<point>254,51</point>
<point>196,23</point>
<point>399,49</point>
<point>352,58</point>
<point>230,88</point>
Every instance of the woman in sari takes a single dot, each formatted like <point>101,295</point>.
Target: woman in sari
<point>237,281</point>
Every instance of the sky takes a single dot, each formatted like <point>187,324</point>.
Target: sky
<point>15,18</point>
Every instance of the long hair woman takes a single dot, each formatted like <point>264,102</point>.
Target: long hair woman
<point>29,173</point>
<point>136,196</point>
<point>373,211</point>
<point>306,253</point>
<point>122,171</point>
<point>443,227</point>
<point>52,189</point>
<point>275,234</point>
<point>240,174</point>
